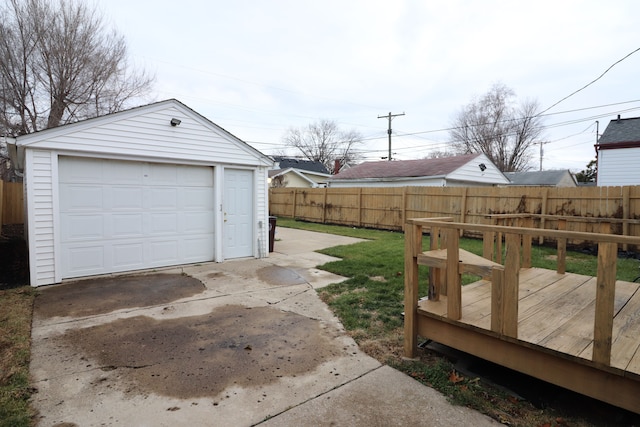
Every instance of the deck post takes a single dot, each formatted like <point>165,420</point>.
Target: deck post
<point>561,262</point>
<point>488,240</point>
<point>526,244</point>
<point>511,282</point>
<point>435,276</point>
<point>497,300</point>
<point>454,286</point>
<point>412,247</point>
<point>605,298</point>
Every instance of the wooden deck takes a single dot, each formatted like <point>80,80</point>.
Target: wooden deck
<point>557,313</point>
<point>536,321</point>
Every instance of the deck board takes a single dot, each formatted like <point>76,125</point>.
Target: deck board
<point>557,312</point>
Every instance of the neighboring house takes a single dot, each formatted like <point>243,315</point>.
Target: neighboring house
<point>551,178</point>
<point>618,153</point>
<point>153,186</point>
<point>298,173</point>
<point>297,178</point>
<point>456,171</point>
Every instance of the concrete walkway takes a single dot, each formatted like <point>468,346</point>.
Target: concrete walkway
<point>254,346</point>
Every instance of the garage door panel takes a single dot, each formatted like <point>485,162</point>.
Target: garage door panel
<point>160,174</point>
<point>194,247</point>
<point>126,225</point>
<point>194,176</point>
<point>86,259</point>
<point>133,215</point>
<point>163,198</point>
<point>163,223</point>
<point>197,222</point>
<point>81,197</point>
<point>128,255</point>
<point>164,252</point>
<point>82,227</point>
<point>77,170</point>
<point>125,198</point>
<point>122,173</point>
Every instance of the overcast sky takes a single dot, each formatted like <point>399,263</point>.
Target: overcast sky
<point>257,68</point>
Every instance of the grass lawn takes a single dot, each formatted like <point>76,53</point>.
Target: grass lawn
<point>15,336</point>
<point>370,304</point>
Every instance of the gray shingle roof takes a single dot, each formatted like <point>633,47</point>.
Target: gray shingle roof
<point>308,165</point>
<point>621,131</point>
<point>406,168</point>
<point>552,177</point>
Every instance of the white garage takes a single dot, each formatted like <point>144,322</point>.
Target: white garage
<point>150,187</point>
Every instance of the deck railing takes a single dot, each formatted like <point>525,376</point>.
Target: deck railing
<point>448,262</point>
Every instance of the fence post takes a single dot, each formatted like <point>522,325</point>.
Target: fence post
<point>324,206</point>
<point>463,208</point>
<point>625,214</point>
<point>360,207</point>
<point>295,203</point>
<point>543,212</point>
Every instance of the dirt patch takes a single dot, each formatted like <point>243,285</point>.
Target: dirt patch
<point>202,355</point>
<point>280,276</point>
<point>104,295</point>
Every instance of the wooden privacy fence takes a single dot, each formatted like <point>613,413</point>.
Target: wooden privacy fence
<point>11,203</point>
<point>388,208</point>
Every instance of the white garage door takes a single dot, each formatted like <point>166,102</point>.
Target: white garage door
<point>120,216</point>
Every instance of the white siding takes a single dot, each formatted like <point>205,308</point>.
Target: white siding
<point>473,175</point>
<point>619,167</point>
<point>40,199</point>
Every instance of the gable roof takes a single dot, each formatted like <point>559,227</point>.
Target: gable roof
<point>308,165</point>
<point>621,133</point>
<point>407,168</point>
<point>51,138</point>
<point>550,177</point>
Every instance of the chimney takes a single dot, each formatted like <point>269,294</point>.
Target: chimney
<point>618,118</point>
<point>336,167</point>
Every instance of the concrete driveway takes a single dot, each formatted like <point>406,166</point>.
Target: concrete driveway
<point>245,342</point>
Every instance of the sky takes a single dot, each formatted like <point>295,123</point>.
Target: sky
<point>258,68</point>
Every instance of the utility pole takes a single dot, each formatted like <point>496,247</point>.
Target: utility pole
<point>390,116</point>
<point>541,151</point>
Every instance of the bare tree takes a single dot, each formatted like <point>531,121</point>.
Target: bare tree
<point>324,142</point>
<point>60,64</point>
<point>495,126</point>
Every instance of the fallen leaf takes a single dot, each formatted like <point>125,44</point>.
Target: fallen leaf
<point>455,378</point>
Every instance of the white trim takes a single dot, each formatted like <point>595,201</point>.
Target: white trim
<point>55,200</point>
<point>218,189</point>
<point>31,240</point>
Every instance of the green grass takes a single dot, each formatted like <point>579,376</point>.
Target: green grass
<point>15,337</point>
<point>370,305</point>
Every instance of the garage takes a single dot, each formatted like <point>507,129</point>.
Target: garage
<point>154,186</point>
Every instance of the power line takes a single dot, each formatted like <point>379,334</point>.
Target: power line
<point>591,82</point>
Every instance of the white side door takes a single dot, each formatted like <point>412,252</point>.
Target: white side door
<point>238,232</point>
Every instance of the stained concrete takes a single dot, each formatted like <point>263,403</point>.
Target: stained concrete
<point>241,343</point>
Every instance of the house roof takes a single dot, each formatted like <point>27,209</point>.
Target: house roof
<point>406,168</point>
<point>621,131</point>
<point>551,177</point>
<point>308,165</point>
